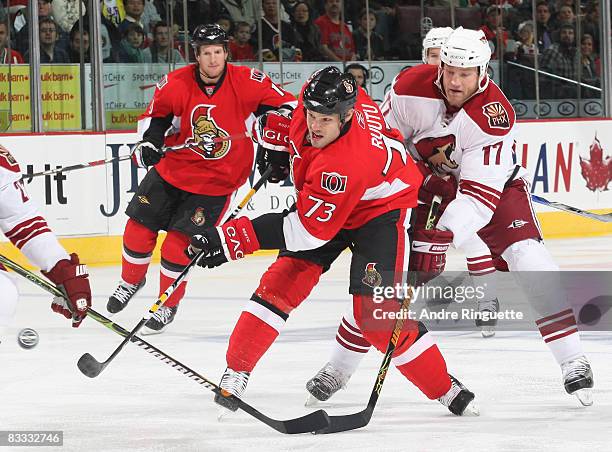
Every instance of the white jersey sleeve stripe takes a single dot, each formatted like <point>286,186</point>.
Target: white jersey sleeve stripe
<point>385,190</point>
<point>297,236</point>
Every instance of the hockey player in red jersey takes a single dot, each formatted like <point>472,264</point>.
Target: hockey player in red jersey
<point>189,190</point>
<point>355,186</point>
<point>23,225</point>
<point>462,125</point>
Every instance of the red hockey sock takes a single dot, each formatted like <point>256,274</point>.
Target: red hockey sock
<point>425,367</point>
<point>256,329</point>
<point>173,262</point>
<point>138,244</point>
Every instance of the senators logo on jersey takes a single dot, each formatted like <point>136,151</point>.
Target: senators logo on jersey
<point>205,130</point>
<point>334,183</point>
<point>371,276</point>
<point>496,115</point>
<point>438,151</point>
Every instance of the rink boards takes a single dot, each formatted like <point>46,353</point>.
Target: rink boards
<point>568,161</point>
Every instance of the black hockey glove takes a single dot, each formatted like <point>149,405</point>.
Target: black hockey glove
<point>145,154</point>
<point>278,160</point>
<point>210,243</point>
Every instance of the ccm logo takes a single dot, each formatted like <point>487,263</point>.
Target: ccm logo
<point>236,248</point>
<point>276,136</point>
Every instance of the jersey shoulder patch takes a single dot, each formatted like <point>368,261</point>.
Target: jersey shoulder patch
<point>417,81</point>
<point>7,160</point>
<point>491,111</point>
<point>257,75</point>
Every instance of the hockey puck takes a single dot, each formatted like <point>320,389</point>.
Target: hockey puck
<point>27,338</point>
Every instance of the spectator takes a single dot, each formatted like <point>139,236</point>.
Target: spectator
<point>113,11</point>
<point>240,47</point>
<point>198,12</point>
<point>590,70</point>
<point>66,13</point>
<point>6,56</point>
<point>521,82</point>
<point>78,40</point>
<point>270,44</point>
<point>543,26</point>
<point>560,59</point>
<point>134,10</point>
<point>225,22</point>
<point>306,32</point>
<point>21,25</point>
<point>160,51</point>
<point>591,22</point>
<point>243,10</point>
<point>367,26</point>
<point>130,50</point>
<point>49,52</point>
<point>110,41</point>
<point>359,72</point>
<point>150,16</point>
<point>493,30</point>
<point>336,38</point>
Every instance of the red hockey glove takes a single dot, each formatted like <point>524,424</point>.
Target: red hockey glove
<point>232,241</point>
<point>73,278</point>
<point>145,154</point>
<point>428,256</point>
<point>433,185</point>
<point>271,130</point>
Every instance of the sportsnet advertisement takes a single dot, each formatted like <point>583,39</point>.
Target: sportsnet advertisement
<point>569,162</point>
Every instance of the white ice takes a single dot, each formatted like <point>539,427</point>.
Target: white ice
<point>141,404</point>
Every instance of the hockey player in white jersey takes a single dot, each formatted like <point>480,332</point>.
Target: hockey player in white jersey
<point>23,225</point>
<point>462,125</point>
<point>432,42</point>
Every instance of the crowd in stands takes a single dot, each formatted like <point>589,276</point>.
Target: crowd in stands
<point>138,31</point>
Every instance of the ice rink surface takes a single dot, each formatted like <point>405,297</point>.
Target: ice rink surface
<point>141,404</point>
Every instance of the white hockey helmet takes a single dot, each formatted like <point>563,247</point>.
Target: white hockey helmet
<point>434,39</point>
<point>468,48</point>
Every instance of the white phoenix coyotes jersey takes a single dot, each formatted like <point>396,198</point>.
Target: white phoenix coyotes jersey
<point>20,220</point>
<point>474,143</point>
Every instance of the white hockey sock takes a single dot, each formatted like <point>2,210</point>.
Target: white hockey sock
<point>560,333</point>
<point>344,359</point>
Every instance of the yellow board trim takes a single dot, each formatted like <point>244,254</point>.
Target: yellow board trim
<point>106,250</point>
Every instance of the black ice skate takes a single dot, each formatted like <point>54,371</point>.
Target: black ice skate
<point>325,384</point>
<point>487,327</point>
<point>160,320</point>
<point>122,296</point>
<point>459,400</point>
<point>232,383</point>
<point>578,379</point>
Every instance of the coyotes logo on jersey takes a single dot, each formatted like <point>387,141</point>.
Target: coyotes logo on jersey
<point>597,171</point>
<point>8,161</point>
<point>437,151</point>
<point>205,129</point>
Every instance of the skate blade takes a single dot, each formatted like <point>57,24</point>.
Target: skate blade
<point>471,410</point>
<point>584,396</point>
<point>149,332</point>
<point>487,332</point>
<point>311,400</point>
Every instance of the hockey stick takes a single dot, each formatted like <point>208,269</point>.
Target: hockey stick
<point>362,418</point>
<point>304,424</point>
<point>236,136</point>
<point>605,217</point>
<point>90,366</point>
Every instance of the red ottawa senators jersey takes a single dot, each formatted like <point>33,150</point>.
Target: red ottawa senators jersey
<point>215,169</point>
<point>363,174</point>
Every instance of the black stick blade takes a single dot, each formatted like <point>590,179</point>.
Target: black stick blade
<point>347,422</point>
<point>89,366</point>
<point>307,424</point>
